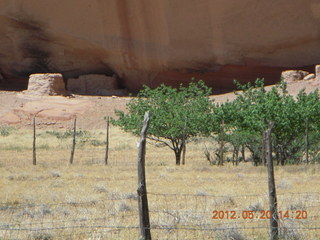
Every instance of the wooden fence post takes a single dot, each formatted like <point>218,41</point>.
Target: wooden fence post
<point>221,150</point>
<point>307,141</point>
<point>73,139</point>
<point>107,143</point>
<point>145,233</point>
<point>273,204</point>
<point>34,142</point>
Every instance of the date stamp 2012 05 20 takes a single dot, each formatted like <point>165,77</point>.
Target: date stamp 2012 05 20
<point>288,214</point>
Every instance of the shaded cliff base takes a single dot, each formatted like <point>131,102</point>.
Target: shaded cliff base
<point>221,81</point>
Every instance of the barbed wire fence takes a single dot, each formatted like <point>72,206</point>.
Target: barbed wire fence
<point>188,216</point>
<point>115,216</point>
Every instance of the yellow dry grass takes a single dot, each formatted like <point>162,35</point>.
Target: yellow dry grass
<point>89,200</point>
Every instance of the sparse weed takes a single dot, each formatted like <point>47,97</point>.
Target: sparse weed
<point>97,143</point>
<point>44,147</point>
<point>133,196</point>
<point>256,207</point>
<point>123,207</point>
<point>226,200</point>
<point>201,193</point>
<point>122,147</point>
<point>289,231</point>
<point>5,131</point>
<point>40,236</point>
<point>69,134</point>
<point>9,205</point>
<point>55,174</point>
<point>100,188</point>
<point>284,184</point>
<point>297,206</point>
<point>230,233</point>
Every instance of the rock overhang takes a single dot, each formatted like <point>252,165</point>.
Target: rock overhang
<point>159,42</point>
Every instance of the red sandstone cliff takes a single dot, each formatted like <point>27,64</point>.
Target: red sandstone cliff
<point>154,41</point>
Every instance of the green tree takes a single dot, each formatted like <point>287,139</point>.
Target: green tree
<point>293,117</point>
<point>309,107</point>
<point>177,115</point>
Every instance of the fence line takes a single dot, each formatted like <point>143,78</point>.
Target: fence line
<point>188,218</point>
<point>115,197</point>
<point>172,216</point>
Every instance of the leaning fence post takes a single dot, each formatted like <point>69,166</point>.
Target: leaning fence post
<point>107,143</point>
<point>34,157</point>
<point>145,233</point>
<point>73,139</point>
<point>274,220</point>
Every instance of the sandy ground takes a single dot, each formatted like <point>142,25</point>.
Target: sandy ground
<point>18,109</point>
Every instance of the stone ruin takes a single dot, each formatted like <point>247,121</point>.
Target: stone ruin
<point>91,84</point>
<point>46,84</point>
<point>95,84</point>
<point>298,75</point>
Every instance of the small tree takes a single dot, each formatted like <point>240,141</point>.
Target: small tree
<point>177,114</point>
<point>296,121</point>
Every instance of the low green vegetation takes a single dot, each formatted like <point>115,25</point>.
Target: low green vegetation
<point>69,134</point>
<point>6,131</point>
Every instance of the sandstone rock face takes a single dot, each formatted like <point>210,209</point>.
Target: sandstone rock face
<point>93,84</point>
<point>310,76</point>
<point>46,84</point>
<point>318,72</point>
<point>159,41</point>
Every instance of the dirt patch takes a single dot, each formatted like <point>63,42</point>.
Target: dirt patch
<point>10,118</point>
<point>18,109</point>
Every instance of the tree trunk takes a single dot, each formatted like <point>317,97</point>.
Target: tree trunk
<point>237,156</point>
<point>221,150</point>
<point>184,143</point>
<point>177,153</point>
<point>277,155</point>
<point>282,158</point>
<point>243,153</point>
<point>233,155</point>
<point>263,149</point>
<point>184,149</point>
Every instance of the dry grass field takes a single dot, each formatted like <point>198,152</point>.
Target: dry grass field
<point>88,200</point>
